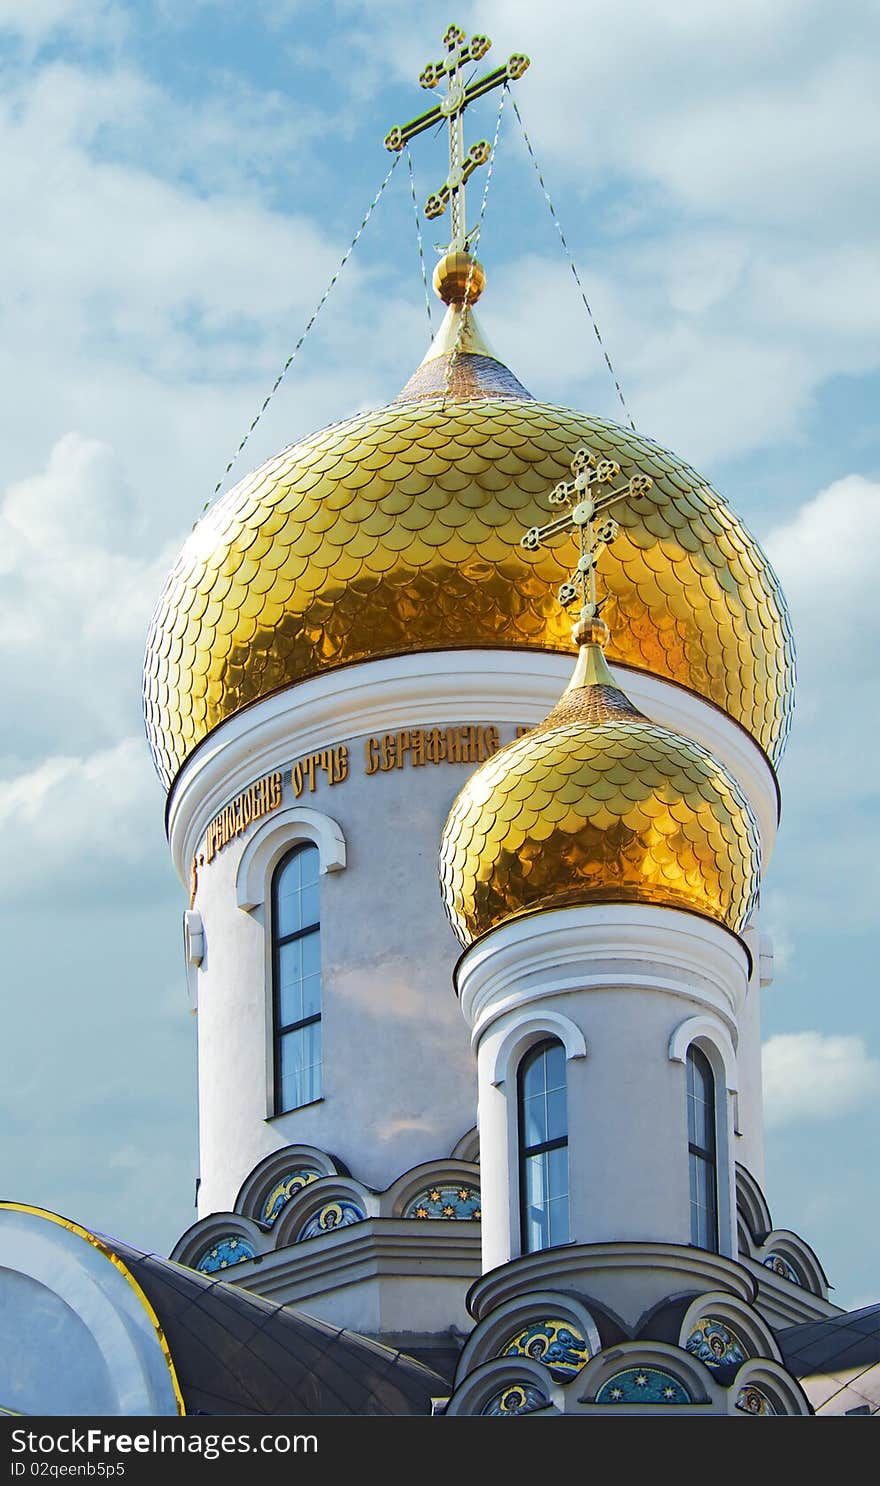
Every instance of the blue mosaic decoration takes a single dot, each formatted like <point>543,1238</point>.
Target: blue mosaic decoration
<point>333,1215</point>
<point>282,1192</point>
<point>781,1266</point>
<point>643,1385</point>
<point>751,1400</point>
<point>557,1344</point>
<point>232,1249</point>
<point>519,1398</point>
<point>716,1343</point>
<point>445,1202</point>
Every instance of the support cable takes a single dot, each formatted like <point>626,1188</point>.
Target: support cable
<point>295,352</point>
<point>572,266</point>
<point>412,192</point>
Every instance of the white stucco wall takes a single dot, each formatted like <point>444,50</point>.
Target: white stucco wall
<point>399,1081</point>
<point>750,1138</point>
<point>625,978</point>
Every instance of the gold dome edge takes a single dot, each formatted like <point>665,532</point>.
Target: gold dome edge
<point>531,650</point>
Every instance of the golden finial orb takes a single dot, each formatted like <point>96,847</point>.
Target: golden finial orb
<point>591,630</point>
<point>459,278</point>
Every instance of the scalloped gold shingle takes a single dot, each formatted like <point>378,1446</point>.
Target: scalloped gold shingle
<point>598,805</point>
<point>399,530</point>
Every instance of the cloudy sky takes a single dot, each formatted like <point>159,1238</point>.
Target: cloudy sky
<point>179,180</point>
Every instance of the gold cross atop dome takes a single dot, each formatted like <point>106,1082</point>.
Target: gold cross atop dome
<point>459,52</point>
<point>587,514</point>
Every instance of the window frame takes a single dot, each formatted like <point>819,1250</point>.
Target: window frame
<point>279,941</point>
<point>708,1158</point>
<point>526,1153</point>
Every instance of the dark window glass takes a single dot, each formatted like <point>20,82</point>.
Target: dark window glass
<point>296,974</point>
<point>702,1158</point>
<point>543,1144</point>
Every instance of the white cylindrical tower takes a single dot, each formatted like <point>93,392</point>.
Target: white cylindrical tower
<point>601,870</point>
<point>626,991</point>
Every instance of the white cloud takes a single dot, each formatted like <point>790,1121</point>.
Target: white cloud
<point>809,1076</point>
<point>36,21</point>
<point>154,313</point>
<point>234,139</point>
<point>758,108</point>
<point>71,821</point>
<point>75,601</point>
<point>123,252</point>
<point>828,556</point>
<point>77,501</point>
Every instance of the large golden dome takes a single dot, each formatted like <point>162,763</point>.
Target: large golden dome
<point>598,805</point>
<point>330,551</point>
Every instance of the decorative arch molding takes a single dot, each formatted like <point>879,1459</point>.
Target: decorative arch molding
<point>745,1244</point>
<point>784,1393</point>
<point>660,1355</point>
<point>751,1204</point>
<point>799,1255</point>
<point>256,1188</point>
<point>203,1235</point>
<point>445,1172</point>
<point>343,1191</point>
<point>714,1038</point>
<point>530,1030</point>
<point>468,1148</point>
<point>755,1334</point>
<point>490,1336</point>
<point>493,1377</point>
<point>284,829</point>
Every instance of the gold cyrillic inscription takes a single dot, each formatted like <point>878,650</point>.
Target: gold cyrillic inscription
<point>257,800</point>
<point>333,761</point>
<point>418,746</point>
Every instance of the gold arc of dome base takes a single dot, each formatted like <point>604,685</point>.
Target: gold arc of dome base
<point>398,531</point>
<point>598,805</point>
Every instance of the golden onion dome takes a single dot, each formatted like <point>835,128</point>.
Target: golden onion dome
<point>328,552</point>
<point>598,805</point>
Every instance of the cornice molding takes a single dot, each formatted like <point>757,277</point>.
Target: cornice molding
<point>597,947</point>
<point>425,690</point>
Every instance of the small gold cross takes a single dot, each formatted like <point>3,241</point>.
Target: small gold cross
<point>586,515</point>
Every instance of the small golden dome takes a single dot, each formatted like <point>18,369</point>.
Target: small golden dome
<point>598,805</point>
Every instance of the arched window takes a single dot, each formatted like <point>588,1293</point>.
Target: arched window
<point>543,1147</point>
<point>702,1157</point>
<point>296,978</point>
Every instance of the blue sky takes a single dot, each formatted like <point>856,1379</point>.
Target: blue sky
<point>179,182</point>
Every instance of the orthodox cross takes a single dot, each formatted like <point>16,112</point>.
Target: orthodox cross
<point>459,52</point>
<point>586,514</point>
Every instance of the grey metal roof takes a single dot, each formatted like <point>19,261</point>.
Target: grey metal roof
<point>837,1361</point>
<point>236,1353</point>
